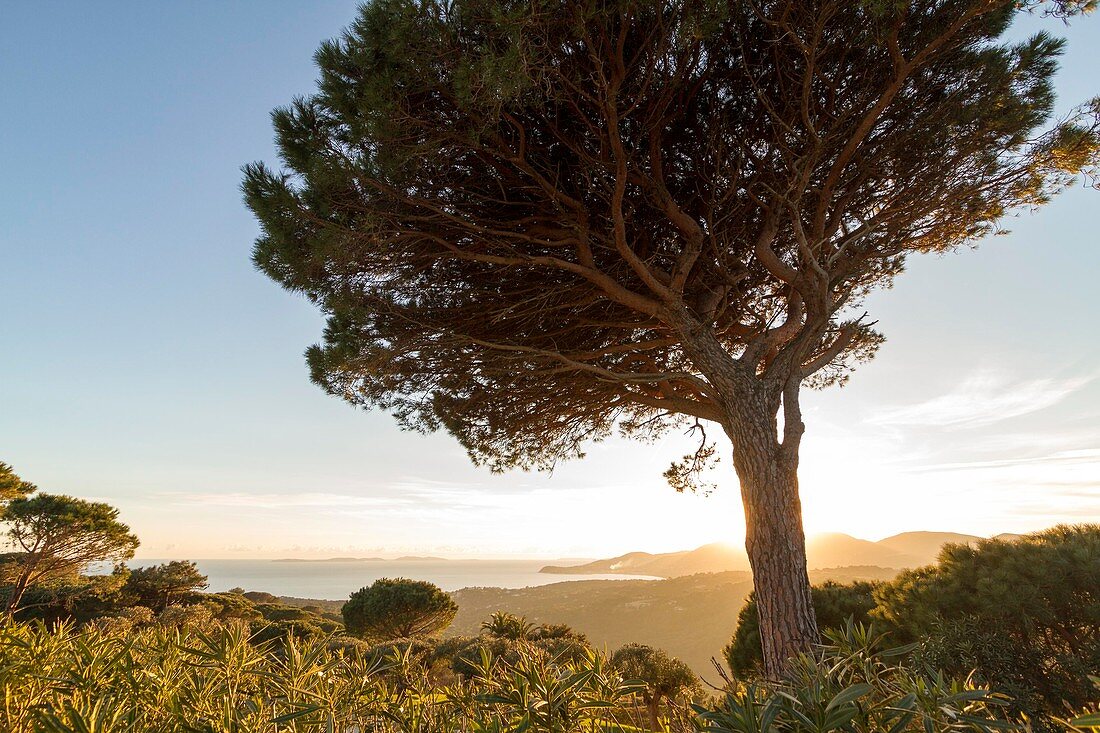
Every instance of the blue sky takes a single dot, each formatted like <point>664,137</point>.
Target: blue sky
<point>147,364</point>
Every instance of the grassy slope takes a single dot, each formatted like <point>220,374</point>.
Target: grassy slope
<point>690,617</point>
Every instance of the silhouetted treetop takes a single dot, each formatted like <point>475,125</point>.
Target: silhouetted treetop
<point>513,212</point>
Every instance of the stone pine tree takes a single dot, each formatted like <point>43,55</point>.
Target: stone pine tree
<point>398,608</point>
<point>533,224</point>
<point>159,586</point>
<point>57,536</point>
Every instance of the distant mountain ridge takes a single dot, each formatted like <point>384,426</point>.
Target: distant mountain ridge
<point>405,558</point>
<point>905,550</point>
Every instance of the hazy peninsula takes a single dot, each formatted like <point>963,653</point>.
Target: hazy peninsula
<point>404,558</point>
<point>905,550</point>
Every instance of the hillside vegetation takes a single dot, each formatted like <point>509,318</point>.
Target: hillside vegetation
<point>690,617</point>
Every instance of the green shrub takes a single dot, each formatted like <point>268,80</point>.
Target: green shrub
<point>464,653</point>
<point>1024,615</point>
<point>856,685</point>
<point>226,607</point>
<point>662,678</point>
<point>509,637</point>
<point>398,608</point>
<point>159,586</point>
<point>190,616</point>
<point>509,626</point>
<point>124,619</point>
<point>834,603</point>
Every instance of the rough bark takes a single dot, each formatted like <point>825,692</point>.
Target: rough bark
<point>774,537</point>
<point>776,545</point>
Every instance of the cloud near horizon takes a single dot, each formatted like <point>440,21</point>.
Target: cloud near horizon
<point>279,501</point>
<point>1066,457</point>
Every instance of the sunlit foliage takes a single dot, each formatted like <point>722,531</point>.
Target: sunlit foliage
<point>158,586</point>
<point>1024,614</point>
<point>392,608</point>
<point>219,679</point>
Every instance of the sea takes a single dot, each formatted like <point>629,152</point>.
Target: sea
<point>337,579</point>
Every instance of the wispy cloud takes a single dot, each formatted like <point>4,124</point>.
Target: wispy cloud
<point>1061,458</point>
<point>290,500</point>
<point>1064,484</point>
<point>405,496</point>
<point>983,399</point>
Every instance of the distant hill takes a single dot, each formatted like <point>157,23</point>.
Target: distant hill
<point>714,558</point>
<point>406,558</point>
<point>330,559</point>
<point>905,550</point>
<point>837,550</point>
<point>330,606</point>
<point>690,617</point>
<point>925,546</point>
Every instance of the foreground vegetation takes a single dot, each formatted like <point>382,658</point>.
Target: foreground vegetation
<point>94,679</point>
<point>1021,616</point>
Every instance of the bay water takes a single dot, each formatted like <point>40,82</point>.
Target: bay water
<point>337,579</point>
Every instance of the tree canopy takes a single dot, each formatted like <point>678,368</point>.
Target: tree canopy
<point>158,586</point>
<point>664,677</point>
<point>398,608</point>
<point>511,213</point>
<point>59,536</point>
<point>11,486</point>
<point>532,224</point>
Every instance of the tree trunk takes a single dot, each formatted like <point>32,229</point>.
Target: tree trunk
<point>768,472</point>
<point>774,538</point>
<point>18,590</point>
<point>653,709</point>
